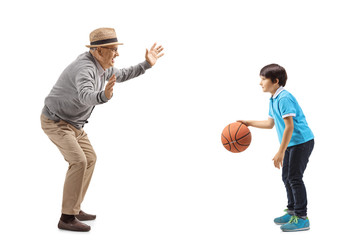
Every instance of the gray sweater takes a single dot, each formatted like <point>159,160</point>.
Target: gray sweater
<point>80,88</point>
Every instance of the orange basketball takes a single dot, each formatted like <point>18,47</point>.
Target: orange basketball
<point>236,137</point>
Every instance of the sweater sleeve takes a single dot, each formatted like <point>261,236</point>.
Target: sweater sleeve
<point>85,84</point>
<point>125,74</point>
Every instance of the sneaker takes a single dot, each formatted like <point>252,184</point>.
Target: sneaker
<point>283,219</point>
<point>296,224</point>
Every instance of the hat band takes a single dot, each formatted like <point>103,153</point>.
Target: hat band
<point>105,41</point>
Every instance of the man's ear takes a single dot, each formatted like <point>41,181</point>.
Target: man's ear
<point>277,81</point>
<point>99,51</point>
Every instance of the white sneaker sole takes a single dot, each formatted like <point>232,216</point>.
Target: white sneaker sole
<point>280,224</point>
<point>296,230</point>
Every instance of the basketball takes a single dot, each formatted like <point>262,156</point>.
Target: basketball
<point>236,137</point>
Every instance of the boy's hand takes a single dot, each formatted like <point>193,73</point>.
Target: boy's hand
<point>243,122</point>
<point>278,159</point>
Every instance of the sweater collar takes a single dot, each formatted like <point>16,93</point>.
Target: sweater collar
<point>101,71</point>
<point>99,67</point>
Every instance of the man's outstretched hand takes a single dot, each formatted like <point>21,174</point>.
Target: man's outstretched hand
<point>109,88</point>
<point>154,54</point>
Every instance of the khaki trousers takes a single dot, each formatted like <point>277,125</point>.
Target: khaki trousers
<point>76,148</point>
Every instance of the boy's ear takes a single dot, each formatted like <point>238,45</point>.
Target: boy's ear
<point>277,81</point>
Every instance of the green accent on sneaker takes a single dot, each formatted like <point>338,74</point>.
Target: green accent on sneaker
<point>296,224</point>
<point>294,219</point>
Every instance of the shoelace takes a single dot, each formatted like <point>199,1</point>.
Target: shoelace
<point>294,219</point>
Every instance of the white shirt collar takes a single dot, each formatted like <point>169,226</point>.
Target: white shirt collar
<point>278,91</point>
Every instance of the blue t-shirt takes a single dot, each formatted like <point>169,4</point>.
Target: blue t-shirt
<point>282,105</point>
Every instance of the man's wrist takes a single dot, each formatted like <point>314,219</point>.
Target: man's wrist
<point>103,97</point>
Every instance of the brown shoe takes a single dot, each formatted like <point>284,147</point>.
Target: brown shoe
<point>83,216</point>
<point>74,225</point>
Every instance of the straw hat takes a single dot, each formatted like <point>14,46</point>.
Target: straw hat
<point>103,37</point>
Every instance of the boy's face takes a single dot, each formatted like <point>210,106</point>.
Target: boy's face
<point>268,86</point>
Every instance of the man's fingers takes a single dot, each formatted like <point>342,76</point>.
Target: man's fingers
<point>153,46</point>
<point>158,51</point>
<point>112,78</point>
<point>110,86</point>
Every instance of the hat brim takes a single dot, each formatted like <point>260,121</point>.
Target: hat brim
<point>102,45</point>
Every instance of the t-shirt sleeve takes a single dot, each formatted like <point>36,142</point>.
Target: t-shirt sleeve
<point>270,111</point>
<point>287,107</point>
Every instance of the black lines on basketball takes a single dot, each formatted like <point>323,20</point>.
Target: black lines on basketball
<point>228,142</point>
<point>236,137</point>
<point>236,147</point>
<point>237,131</point>
<point>230,132</point>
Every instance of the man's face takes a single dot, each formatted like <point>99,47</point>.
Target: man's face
<point>108,54</point>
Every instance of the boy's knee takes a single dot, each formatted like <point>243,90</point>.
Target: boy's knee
<point>285,178</point>
<point>294,181</point>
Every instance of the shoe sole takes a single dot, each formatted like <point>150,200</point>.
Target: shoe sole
<point>280,223</point>
<point>63,226</point>
<point>85,219</point>
<point>296,230</point>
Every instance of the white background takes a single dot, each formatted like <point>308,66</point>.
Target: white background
<point>162,172</point>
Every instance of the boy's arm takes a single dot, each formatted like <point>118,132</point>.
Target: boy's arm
<point>266,124</point>
<point>289,128</point>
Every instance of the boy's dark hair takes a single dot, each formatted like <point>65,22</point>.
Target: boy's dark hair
<point>274,71</point>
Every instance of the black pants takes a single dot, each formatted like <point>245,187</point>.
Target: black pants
<point>294,164</point>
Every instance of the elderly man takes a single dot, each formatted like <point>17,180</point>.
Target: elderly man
<point>69,105</point>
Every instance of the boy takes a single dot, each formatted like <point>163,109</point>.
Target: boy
<point>296,144</point>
